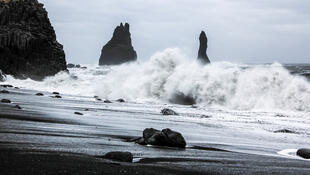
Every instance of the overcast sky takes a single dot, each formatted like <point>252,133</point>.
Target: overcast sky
<point>247,31</point>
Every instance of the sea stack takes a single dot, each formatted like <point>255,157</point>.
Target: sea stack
<point>119,49</point>
<point>202,53</point>
<point>28,45</point>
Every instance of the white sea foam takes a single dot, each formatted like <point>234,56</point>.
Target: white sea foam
<point>169,74</point>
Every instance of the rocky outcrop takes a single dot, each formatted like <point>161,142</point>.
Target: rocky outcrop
<point>202,53</point>
<point>28,46</point>
<point>119,49</point>
<point>166,137</point>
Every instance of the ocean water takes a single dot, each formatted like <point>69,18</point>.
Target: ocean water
<point>170,77</point>
<point>237,106</point>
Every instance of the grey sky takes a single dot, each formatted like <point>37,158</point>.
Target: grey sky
<point>248,31</point>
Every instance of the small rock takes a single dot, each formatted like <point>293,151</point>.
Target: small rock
<point>39,94</point>
<point>4,92</point>
<point>57,96</point>
<point>77,66</point>
<point>304,153</point>
<point>84,67</point>
<point>96,96</point>
<point>6,85</point>
<point>121,100</point>
<point>285,131</point>
<point>205,116</point>
<point>17,107</point>
<point>167,111</point>
<point>5,101</point>
<point>78,113</point>
<point>56,93</point>
<point>119,156</point>
<point>98,99</point>
<point>107,101</point>
<point>16,88</point>
<point>86,109</point>
<point>70,65</point>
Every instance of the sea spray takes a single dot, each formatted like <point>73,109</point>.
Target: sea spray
<point>170,76</point>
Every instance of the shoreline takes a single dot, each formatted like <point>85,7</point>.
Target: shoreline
<point>45,135</point>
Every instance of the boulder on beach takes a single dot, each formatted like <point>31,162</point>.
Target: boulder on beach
<point>166,137</point>
<point>39,94</point>
<point>78,113</point>
<point>120,100</point>
<point>28,45</point>
<point>304,153</point>
<point>119,49</point>
<point>285,131</point>
<point>107,101</point>
<point>5,101</point>
<point>4,92</point>
<point>167,111</point>
<point>203,46</point>
<point>119,156</point>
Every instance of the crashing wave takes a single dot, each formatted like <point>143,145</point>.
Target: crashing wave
<point>169,76</point>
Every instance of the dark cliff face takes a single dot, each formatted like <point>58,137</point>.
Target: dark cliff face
<point>202,53</point>
<point>119,49</point>
<point>28,46</point>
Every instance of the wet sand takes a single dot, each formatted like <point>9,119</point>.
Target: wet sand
<point>46,137</point>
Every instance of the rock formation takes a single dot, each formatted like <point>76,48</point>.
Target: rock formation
<point>28,46</point>
<point>202,53</point>
<point>119,49</point>
<point>166,137</point>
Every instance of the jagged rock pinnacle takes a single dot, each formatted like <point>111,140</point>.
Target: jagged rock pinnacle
<point>202,53</point>
<point>119,49</point>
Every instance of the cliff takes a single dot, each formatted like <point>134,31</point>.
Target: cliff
<point>28,45</point>
<point>119,49</point>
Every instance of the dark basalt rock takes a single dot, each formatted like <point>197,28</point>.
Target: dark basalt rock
<point>167,111</point>
<point>56,93</point>
<point>5,101</point>
<point>107,101</point>
<point>39,94</point>
<point>78,113</point>
<point>17,107</point>
<point>4,92</point>
<point>304,153</point>
<point>202,53</point>
<point>70,65</point>
<point>119,156</point>
<point>2,76</point>
<point>121,100</point>
<point>56,96</point>
<point>119,49</point>
<point>166,137</point>
<point>285,131</point>
<point>28,45</point>
<point>6,86</point>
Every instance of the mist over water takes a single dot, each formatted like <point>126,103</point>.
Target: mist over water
<point>169,76</point>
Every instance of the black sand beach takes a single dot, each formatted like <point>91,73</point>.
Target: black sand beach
<point>46,137</point>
